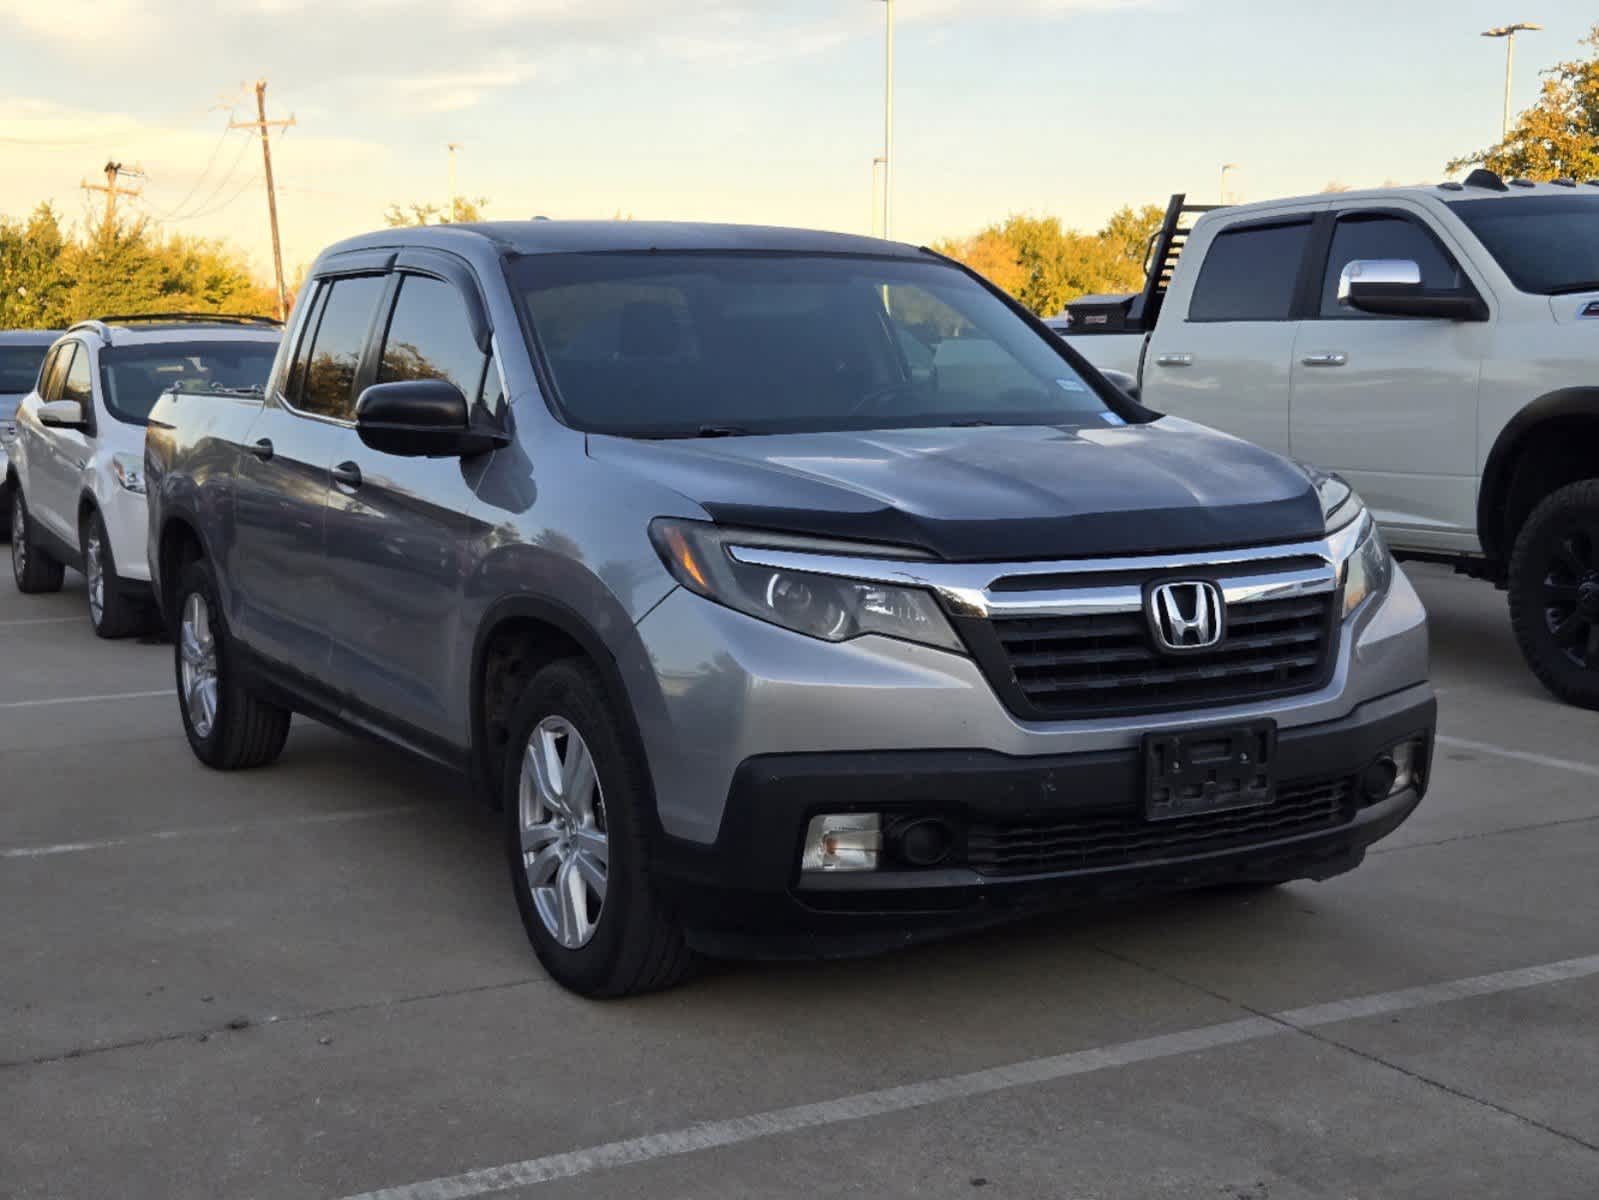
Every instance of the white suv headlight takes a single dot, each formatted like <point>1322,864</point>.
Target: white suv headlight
<point>128,469</point>
<point>820,606</point>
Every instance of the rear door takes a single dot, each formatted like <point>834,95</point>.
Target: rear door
<point>1390,403</point>
<point>281,594</point>
<point>1222,348</point>
<point>402,531</point>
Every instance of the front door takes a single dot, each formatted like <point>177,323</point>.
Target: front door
<point>282,595</point>
<point>1221,349</point>
<point>1390,403</point>
<point>402,532</point>
<point>56,463</point>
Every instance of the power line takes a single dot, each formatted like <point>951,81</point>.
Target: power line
<point>222,183</point>
<point>172,213</point>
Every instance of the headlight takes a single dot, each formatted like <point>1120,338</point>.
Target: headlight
<point>129,471</point>
<point>820,606</point>
<point>1369,569</point>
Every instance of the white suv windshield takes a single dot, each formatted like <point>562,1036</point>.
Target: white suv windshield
<point>135,376</point>
<point>1546,244</point>
<point>686,344</point>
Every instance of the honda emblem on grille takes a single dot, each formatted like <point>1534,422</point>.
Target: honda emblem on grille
<point>1187,615</point>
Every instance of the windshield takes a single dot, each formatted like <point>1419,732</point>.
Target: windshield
<point>686,344</point>
<point>19,368</point>
<point>1546,244</point>
<point>135,376</point>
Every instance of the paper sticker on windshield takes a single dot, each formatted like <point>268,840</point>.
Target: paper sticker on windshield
<point>1071,385</point>
<point>1111,418</point>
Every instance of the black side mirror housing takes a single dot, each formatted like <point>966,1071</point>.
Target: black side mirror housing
<point>1413,300</point>
<point>420,418</point>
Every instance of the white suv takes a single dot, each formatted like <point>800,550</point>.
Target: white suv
<point>76,470</point>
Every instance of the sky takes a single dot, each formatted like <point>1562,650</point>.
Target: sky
<point>767,111</point>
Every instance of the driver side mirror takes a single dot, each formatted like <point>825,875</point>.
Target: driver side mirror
<point>420,418</point>
<point>61,414</point>
<point>1391,287</point>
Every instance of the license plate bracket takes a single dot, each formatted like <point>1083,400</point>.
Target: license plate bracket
<point>1209,770</point>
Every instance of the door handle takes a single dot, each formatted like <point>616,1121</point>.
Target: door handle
<point>263,449</point>
<point>1174,360</point>
<point>1331,358</point>
<point>347,474</point>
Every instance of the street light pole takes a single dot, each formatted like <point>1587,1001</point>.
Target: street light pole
<point>888,118</point>
<point>452,147</point>
<point>1508,32</point>
<point>1225,167</point>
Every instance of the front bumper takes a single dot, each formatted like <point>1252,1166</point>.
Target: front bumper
<point>744,894</point>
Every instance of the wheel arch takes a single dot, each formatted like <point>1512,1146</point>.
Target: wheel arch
<point>517,636</point>
<point>1535,454</point>
<point>180,543</point>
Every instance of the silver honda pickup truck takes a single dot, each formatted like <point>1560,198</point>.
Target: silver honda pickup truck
<point>791,593</point>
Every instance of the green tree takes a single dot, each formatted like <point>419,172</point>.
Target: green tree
<point>1558,137</point>
<point>1045,265</point>
<point>33,280</point>
<point>466,209</point>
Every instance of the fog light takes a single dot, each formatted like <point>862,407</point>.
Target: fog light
<point>1407,758</point>
<point>842,842</point>
<point>921,842</point>
<point>1377,780</point>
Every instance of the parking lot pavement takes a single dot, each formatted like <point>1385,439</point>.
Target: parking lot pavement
<point>311,981</point>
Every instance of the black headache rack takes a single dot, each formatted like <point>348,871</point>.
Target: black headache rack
<point>1135,312</point>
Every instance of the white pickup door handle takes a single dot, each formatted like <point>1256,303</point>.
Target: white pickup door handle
<point>1332,358</point>
<point>1174,360</point>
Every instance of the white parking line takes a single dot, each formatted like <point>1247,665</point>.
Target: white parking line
<point>83,699</point>
<point>1542,760</point>
<point>168,835</point>
<point>40,621</point>
<point>712,1134</point>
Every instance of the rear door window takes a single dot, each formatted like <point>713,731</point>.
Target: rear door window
<point>1383,235</point>
<point>1250,274</point>
<point>343,326</point>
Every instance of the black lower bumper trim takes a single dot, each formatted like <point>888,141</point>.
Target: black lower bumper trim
<point>1028,834</point>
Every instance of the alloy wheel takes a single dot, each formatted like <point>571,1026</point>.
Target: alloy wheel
<point>565,843</point>
<point>94,569</point>
<point>1571,597</point>
<point>197,650</point>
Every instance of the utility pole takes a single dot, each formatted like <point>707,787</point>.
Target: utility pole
<point>264,125</point>
<point>1508,32</point>
<point>113,172</point>
<point>888,118</point>
<point>452,147</point>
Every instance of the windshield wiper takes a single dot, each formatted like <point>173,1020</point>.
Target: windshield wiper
<point>969,423</point>
<point>709,431</point>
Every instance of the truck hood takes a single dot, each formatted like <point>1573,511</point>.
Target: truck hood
<point>1012,493</point>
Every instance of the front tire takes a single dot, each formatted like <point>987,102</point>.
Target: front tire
<point>576,797</point>
<point>33,569</point>
<point>228,728</point>
<point>112,611</point>
<point>1554,592</point>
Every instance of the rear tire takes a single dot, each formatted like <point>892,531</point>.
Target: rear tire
<point>33,569</point>
<point>228,728</point>
<point>1554,592</point>
<point>576,837</point>
<point>112,611</point>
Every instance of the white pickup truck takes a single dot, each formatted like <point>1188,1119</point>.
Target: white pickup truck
<point>1438,347</point>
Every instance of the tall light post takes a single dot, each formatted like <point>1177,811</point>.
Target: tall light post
<point>877,211</point>
<point>1508,32</point>
<point>452,147</point>
<point>888,117</point>
<point>1225,167</point>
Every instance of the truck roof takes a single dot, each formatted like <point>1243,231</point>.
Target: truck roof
<point>569,237</point>
<point>1449,190</point>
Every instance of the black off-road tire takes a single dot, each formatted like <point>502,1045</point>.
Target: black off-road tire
<point>637,945</point>
<point>1554,571</point>
<point>123,612</point>
<point>246,731</point>
<point>31,566</point>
